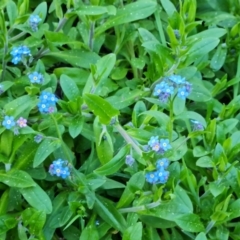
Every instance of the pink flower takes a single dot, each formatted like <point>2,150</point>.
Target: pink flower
<point>22,122</point>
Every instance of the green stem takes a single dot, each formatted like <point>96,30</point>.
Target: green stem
<point>21,34</point>
<point>128,139</point>
<point>4,63</point>
<point>171,119</point>
<point>60,137</point>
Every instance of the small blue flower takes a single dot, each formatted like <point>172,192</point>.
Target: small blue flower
<point>153,140</point>
<point>169,90</point>
<point>38,138</point>
<point>43,107</point>
<point>177,79</point>
<point>129,160</point>
<point>183,93</point>
<point>34,20</point>
<point>8,122</point>
<point>197,126</point>
<point>18,53</point>
<point>162,164</point>
<point>154,143</point>
<point>35,77</point>
<point>165,145</point>
<point>159,88</point>
<point>25,51</point>
<point>59,168</point>
<point>162,176</point>
<point>152,177</point>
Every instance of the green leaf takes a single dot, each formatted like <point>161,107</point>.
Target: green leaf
<point>201,236</point>
<point>190,223</point>
<point>46,147</point>
<point>135,183</point>
<point>22,104</point>
<point>41,10</point>
<point>61,218</point>
<point>192,116</point>
<point>17,178</point>
<point>162,118</point>
<point>34,220</point>
<point>115,164</point>
<point>77,58</point>
<point>69,87</point>
<point>179,205</point>
<point>205,162</point>
<point>76,126</point>
<point>168,7</point>
<point>95,10</point>
<point>219,57</point>
<point>178,105</point>
<point>104,145</point>
<point>199,93</point>
<point>124,97</point>
<point>104,67</point>
<point>179,149</point>
<point>201,48</point>
<point>133,232</point>
<point>101,108</point>
<point>37,198</point>
<point>90,232</point>
<point>129,13</point>
<point>106,210</point>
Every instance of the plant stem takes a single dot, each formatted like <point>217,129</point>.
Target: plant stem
<point>60,137</point>
<point>128,139</point>
<point>21,34</point>
<point>4,64</point>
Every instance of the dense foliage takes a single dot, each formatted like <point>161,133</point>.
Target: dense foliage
<point>119,119</point>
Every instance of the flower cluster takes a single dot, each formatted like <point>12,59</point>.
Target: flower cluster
<point>159,146</point>
<point>197,126</point>
<point>59,168</point>
<point>35,77</point>
<point>160,175</point>
<point>47,102</point>
<point>9,123</point>
<point>18,53</point>
<point>34,20</point>
<point>172,85</point>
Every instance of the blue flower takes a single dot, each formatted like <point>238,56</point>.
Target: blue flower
<point>35,77</point>
<point>8,122</point>
<point>47,102</point>
<point>154,143</point>
<point>183,93</point>
<point>165,145</point>
<point>159,88</point>
<point>38,138</point>
<point>18,53</point>
<point>197,126</point>
<point>162,163</point>
<point>152,177</point>
<point>59,168</point>
<point>177,79</point>
<point>129,160</point>
<point>34,20</point>
<point>162,176</point>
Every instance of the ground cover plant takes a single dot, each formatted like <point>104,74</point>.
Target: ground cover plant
<point>119,119</point>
